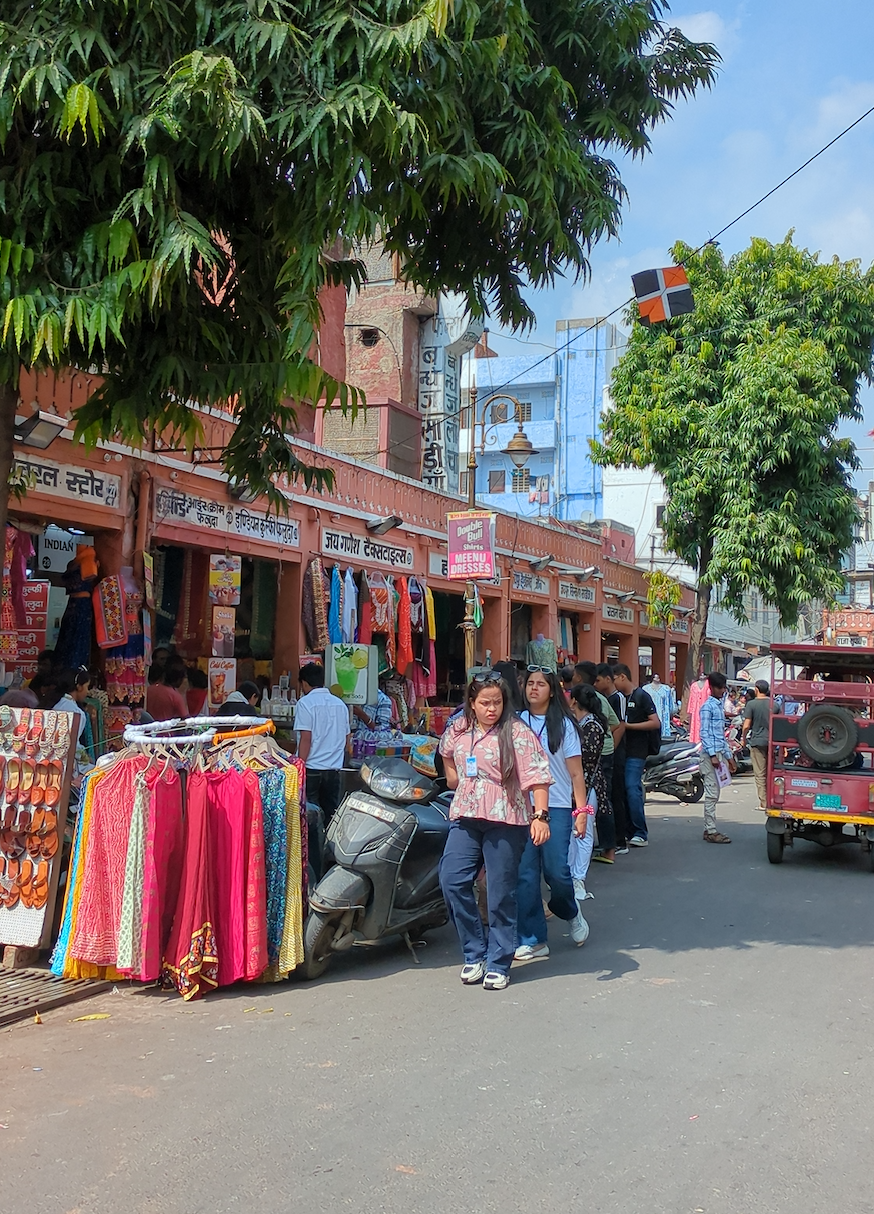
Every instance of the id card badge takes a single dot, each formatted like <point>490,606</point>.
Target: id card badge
<point>470,766</point>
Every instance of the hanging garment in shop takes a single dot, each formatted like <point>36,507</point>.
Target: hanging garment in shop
<point>110,624</point>
<point>73,646</point>
<point>350,607</point>
<point>265,591</point>
<point>365,612</point>
<point>405,634</point>
<point>191,957</point>
<point>335,611</point>
<point>125,667</point>
<point>189,636</point>
<point>382,612</point>
<point>315,613</point>
<point>162,870</point>
<point>541,652</point>
<point>698,693</point>
<point>8,622</point>
<point>418,622</point>
<point>22,553</point>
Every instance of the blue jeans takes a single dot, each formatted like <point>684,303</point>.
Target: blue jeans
<point>471,843</point>
<point>634,794</point>
<point>550,861</point>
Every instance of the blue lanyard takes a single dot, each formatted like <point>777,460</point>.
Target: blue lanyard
<point>540,731</point>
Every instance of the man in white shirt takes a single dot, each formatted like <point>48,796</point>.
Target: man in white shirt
<point>324,739</point>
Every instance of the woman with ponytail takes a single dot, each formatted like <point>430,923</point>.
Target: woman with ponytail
<point>497,766</point>
<point>549,718</point>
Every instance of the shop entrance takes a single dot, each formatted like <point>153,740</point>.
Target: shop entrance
<point>449,646</point>
<point>520,631</point>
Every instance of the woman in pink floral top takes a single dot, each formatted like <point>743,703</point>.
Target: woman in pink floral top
<point>497,766</point>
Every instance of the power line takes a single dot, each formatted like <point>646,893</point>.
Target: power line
<point>711,240</point>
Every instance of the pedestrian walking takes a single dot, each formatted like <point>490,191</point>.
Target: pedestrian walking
<point>756,733</point>
<point>714,752</point>
<point>495,764</point>
<point>324,738</point>
<point>606,822</point>
<point>593,730</point>
<point>550,719</point>
<point>605,687</point>
<point>641,719</point>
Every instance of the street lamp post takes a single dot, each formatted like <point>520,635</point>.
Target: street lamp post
<point>519,449</point>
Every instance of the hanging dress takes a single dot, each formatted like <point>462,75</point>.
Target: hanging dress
<point>315,616</point>
<point>191,959</point>
<point>405,634</point>
<point>382,612</point>
<point>335,611</point>
<point>162,870</point>
<point>350,607</point>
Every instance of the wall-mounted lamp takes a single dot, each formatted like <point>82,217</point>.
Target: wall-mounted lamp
<point>539,566</point>
<point>585,574</point>
<point>682,610</point>
<point>40,429</point>
<point>379,526</point>
<point>623,598</point>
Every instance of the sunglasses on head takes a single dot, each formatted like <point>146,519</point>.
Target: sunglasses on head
<point>540,670</point>
<point>489,676</point>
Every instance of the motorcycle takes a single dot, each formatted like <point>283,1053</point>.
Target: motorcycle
<point>740,752</point>
<point>387,841</point>
<point>675,771</point>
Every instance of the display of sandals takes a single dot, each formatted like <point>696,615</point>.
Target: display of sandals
<point>35,751</point>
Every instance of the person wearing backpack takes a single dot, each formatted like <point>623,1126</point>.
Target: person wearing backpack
<point>642,738</point>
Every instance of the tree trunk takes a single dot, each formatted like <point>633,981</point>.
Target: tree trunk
<point>8,403</point>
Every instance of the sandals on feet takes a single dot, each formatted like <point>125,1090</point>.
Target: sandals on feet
<point>714,836</point>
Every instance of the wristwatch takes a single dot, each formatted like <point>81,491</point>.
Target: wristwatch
<point>541,816</point>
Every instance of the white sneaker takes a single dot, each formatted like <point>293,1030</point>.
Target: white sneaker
<point>580,891</point>
<point>496,982</point>
<point>621,851</point>
<point>579,930</point>
<point>638,841</point>
<point>527,952</point>
<point>472,974</point>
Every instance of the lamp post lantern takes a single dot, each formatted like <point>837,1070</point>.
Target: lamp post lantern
<point>519,449</point>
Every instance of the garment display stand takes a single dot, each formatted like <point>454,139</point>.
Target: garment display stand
<point>37,755</point>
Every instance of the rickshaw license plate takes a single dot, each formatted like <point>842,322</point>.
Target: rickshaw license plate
<point>827,800</point>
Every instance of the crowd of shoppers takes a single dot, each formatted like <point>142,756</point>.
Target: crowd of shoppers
<point>540,767</point>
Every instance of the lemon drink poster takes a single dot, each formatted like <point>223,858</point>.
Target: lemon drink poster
<point>352,672</point>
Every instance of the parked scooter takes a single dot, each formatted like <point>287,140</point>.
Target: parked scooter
<point>675,771</point>
<point>740,752</point>
<point>387,841</point>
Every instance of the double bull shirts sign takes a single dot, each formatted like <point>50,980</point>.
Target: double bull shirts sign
<point>471,535</point>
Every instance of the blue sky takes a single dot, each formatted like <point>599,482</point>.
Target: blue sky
<point>794,74</point>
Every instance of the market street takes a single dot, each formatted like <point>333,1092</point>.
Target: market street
<point>708,1050</point>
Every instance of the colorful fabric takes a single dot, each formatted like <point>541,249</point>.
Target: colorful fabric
<point>74,875</point>
<point>405,632</point>
<point>315,617</point>
<point>227,862</point>
<point>99,914</point>
<point>73,646</point>
<point>335,611</point>
<point>22,553</point>
<point>189,635</point>
<point>255,932</point>
<point>272,784</point>
<point>699,692</point>
<point>429,614</point>
<point>350,607</point>
<point>484,795</point>
<point>130,928</point>
<point>110,623</point>
<point>191,959</point>
<point>291,949</point>
<point>163,869</point>
<point>382,612</point>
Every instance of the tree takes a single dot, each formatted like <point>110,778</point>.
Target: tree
<point>737,407</point>
<point>180,179</point>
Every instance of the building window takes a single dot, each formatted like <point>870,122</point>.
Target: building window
<point>499,412</point>
<point>521,480</point>
<point>660,517</point>
<point>369,338</point>
<point>523,413</point>
<point>464,418</point>
<point>754,608</point>
<point>462,481</point>
<point>498,481</point>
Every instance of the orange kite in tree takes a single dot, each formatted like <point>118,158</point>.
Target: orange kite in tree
<point>662,294</point>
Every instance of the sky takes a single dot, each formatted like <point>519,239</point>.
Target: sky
<point>794,74</point>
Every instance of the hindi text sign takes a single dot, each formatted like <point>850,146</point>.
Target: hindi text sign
<point>471,535</point>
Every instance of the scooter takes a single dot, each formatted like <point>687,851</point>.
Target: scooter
<point>387,841</point>
<point>675,771</point>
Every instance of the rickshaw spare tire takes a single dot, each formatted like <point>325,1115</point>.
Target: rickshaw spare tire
<point>827,733</point>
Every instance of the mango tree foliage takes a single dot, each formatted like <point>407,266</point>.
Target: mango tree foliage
<point>179,180</point>
<point>738,406</point>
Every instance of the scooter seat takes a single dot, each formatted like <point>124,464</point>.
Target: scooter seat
<point>669,752</point>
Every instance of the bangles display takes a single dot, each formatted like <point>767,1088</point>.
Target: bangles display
<point>35,756</point>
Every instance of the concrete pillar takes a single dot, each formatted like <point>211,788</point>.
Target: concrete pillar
<point>290,640</point>
<point>628,646</point>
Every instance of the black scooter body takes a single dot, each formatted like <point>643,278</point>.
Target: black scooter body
<point>385,879</point>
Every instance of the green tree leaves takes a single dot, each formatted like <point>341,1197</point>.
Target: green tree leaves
<point>173,174</point>
<point>737,406</point>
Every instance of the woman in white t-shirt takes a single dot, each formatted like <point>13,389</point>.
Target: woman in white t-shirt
<point>548,716</point>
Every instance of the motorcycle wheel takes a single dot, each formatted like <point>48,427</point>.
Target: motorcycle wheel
<point>318,937</point>
<point>693,792</point>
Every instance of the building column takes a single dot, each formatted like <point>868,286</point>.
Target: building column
<point>290,640</point>
<point>495,635</point>
<point>628,647</point>
<point>661,657</point>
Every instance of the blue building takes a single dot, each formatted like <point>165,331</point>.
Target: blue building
<point>562,398</point>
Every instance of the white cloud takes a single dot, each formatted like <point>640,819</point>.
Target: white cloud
<point>708,27</point>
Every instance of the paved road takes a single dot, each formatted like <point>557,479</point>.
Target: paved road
<point>709,1050</point>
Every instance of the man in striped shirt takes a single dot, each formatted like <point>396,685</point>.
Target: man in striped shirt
<point>714,750</point>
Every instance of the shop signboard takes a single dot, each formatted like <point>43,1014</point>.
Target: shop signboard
<point>222,676</point>
<point>471,541</point>
<point>32,637</point>
<point>530,583</point>
<point>89,486</point>
<point>173,505</point>
<point>616,614</point>
<point>225,579</point>
<point>55,548</point>
<point>367,549</point>
<point>224,620</point>
<point>352,672</point>
<point>574,593</point>
<point>681,626</point>
<point>438,566</point>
